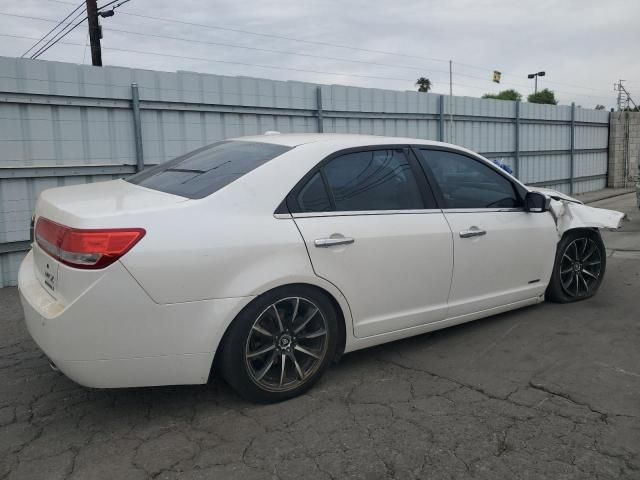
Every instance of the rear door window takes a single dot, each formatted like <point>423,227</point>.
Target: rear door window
<point>313,196</point>
<point>363,181</point>
<point>206,170</point>
<point>373,180</point>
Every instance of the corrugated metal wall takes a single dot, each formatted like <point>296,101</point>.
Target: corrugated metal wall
<point>62,124</point>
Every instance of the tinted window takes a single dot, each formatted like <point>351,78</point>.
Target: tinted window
<point>373,180</point>
<point>208,169</point>
<point>313,196</point>
<point>468,183</point>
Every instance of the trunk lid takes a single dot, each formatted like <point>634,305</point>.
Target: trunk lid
<point>104,205</point>
<point>90,205</point>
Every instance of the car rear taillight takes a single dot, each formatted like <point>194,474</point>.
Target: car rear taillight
<point>88,249</point>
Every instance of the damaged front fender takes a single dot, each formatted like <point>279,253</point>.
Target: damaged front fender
<point>570,215</point>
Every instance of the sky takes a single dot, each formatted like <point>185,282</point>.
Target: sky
<point>584,46</point>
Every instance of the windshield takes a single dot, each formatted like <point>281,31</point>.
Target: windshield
<point>206,170</point>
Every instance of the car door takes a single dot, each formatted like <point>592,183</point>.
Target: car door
<point>372,228</point>
<point>503,254</point>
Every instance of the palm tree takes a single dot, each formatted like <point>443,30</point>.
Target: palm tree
<point>424,84</point>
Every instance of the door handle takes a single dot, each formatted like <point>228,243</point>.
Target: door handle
<point>332,242</point>
<point>472,232</point>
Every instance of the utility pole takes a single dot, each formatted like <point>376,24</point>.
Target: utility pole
<point>95,32</point>
<point>624,98</point>
<point>619,85</point>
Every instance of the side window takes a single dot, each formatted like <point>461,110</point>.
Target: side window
<point>468,183</point>
<point>373,180</point>
<point>313,196</point>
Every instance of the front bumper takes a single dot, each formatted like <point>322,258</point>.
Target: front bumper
<point>114,335</point>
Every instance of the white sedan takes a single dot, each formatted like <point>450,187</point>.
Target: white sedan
<point>264,258</point>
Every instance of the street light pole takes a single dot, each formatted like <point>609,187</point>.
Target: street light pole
<point>536,75</point>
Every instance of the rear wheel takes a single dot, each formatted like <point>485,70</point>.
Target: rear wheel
<point>280,344</point>
<point>579,267</point>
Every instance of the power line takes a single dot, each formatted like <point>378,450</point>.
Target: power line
<point>111,3</point>
<point>276,67</point>
<point>270,35</point>
<point>51,31</point>
<point>273,67</point>
<point>335,45</point>
<point>70,27</point>
<point>349,47</point>
<point>282,37</point>
<point>303,54</point>
<point>285,52</point>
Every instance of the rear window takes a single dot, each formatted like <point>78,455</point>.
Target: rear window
<point>208,169</point>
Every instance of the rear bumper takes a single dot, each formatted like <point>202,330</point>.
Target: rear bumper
<point>114,335</point>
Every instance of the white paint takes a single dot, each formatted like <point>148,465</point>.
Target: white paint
<point>157,316</point>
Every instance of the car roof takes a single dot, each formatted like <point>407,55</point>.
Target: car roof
<point>340,141</point>
<point>348,139</point>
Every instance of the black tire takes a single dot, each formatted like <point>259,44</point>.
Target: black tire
<point>579,267</point>
<point>283,328</point>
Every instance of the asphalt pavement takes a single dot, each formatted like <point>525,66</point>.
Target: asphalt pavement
<point>550,391</point>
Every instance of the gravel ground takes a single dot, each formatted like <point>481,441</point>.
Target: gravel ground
<point>550,391</point>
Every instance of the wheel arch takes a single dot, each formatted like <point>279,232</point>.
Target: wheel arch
<point>344,317</point>
<point>579,228</point>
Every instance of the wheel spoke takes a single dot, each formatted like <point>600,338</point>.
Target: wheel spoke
<point>316,334</point>
<point>563,272</point>
<point>586,286</point>
<point>282,367</point>
<point>297,365</point>
<point>308,318</point>
<point>263,371</point>
<point>295,312</point>
<point>577,285</point>
<point>590,264</point>
<point>590,252</point>
<point>591,274</point>
<point>566,285</point>
<point>566,255</point>
<point>280,326</point>
<point>262,331</point>
<point>306,352</point>
<point>262,351</point>
<point>584,247</point>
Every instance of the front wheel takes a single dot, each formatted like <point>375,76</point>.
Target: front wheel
<point>280,344</point>
<point>579,267</point>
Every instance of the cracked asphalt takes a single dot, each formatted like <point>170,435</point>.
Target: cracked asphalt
<point>551,391</point>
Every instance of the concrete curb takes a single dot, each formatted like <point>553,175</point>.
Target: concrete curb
<point>605,196</point>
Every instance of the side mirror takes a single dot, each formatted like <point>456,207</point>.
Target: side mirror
<point>536,202</point>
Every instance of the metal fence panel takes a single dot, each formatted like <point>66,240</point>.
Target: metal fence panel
<point>545,168</point>
<point>63,124</point>
<point>9,265</point>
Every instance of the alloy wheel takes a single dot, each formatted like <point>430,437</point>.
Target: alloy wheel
<point>580,267</point>
<point>286,345</point>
